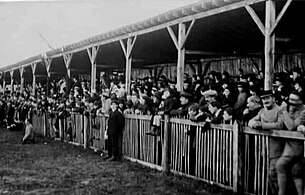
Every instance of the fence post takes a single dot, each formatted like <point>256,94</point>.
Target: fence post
<point>237,157</point>
<point>86,123</point>
<point>166,146</point>
<point>44,125</point>
<point>61,134</point>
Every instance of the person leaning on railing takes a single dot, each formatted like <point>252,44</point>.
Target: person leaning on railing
<point>268,118</point>
<point>292,158</point>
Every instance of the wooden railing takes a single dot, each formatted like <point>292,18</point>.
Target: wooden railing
<point>233,157</point>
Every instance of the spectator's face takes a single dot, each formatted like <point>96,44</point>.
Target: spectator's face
<point>184,100</point>
<point>250,104</point>
<point>295,75</point>
<point>166,94</point>
<point>225,85</point>
<point>226,92</point>
<point>172,86</point>
<point>297,86</point>
<point>155,100</point>
<point>226,116</point>
<point>252,93</point>
<point>191,112</point>
<point>278,83</point>
<point>134,99</point>
<point>185,85</point>
<point>113,106</point>
<point>268,101</point>
<point>210,99</point>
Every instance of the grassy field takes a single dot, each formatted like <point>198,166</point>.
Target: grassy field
<point>52,167</point>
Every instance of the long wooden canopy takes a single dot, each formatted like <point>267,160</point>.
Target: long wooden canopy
<point>205,29</point>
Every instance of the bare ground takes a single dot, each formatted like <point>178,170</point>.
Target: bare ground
<point>52,167</point>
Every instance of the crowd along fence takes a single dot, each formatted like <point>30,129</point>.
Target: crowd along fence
<point>231,156</point>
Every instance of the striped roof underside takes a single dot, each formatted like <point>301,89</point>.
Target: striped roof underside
<point>177,15</point>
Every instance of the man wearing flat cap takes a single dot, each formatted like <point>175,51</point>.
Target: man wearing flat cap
<point>269,118</point>
<point>185,101</point>
<point>291,161</point>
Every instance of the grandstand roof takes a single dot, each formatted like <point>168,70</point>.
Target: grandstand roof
<point>221,28</point>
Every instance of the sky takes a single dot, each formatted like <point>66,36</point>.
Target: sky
<point>29,28</point>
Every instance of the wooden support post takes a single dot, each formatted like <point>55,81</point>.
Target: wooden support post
<point>33,66</point>
<point>12,80</point>
<point>93,78</point>
<point>269,44</point>
<point>44,125</point>
<point>92,53</point>
<point>34,85</point>
<point>86,123</point>
<point>237,158</point>
<point>21,70</point>
<point>127,52</point>
<point>180,46</point>
<point>3,85</point>
<point>61,130</point>
<point>48,62</point>
<point>67,59</point>
<point>166,146</point>
<point>199,68</point>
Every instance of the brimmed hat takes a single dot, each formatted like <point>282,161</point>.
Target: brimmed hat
<point>266,93</point>
<point>295,100</point>
<point>241,84</point>
<point>114,101</point>
<point>186,95</point>
<point>209,93</point>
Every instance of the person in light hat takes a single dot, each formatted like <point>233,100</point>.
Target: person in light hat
<point>269,118</point>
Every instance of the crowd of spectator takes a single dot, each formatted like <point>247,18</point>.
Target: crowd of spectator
<point>216,98</point>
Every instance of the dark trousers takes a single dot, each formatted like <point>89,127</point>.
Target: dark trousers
<point>113,146</point>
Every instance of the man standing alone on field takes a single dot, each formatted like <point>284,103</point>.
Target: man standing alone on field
<point>269,118</point>
<point>116,123</point>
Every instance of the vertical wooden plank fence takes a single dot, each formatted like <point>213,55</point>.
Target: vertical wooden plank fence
<point>233,157</point>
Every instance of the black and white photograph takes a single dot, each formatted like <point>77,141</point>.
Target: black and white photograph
<point>152,97</point>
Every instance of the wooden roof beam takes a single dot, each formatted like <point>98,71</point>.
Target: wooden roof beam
<point>173,36</point>
<point>21,71</point>
<point>67,59</point>
<point>33,67</point>
<point>256,19</point>
<point>148,28</point>
<point>279,17</point>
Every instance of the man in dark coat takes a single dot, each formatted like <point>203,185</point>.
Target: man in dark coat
<point>116,123</point>
<point>185,101</point>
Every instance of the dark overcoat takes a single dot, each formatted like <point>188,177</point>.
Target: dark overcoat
<point>116,123</point>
